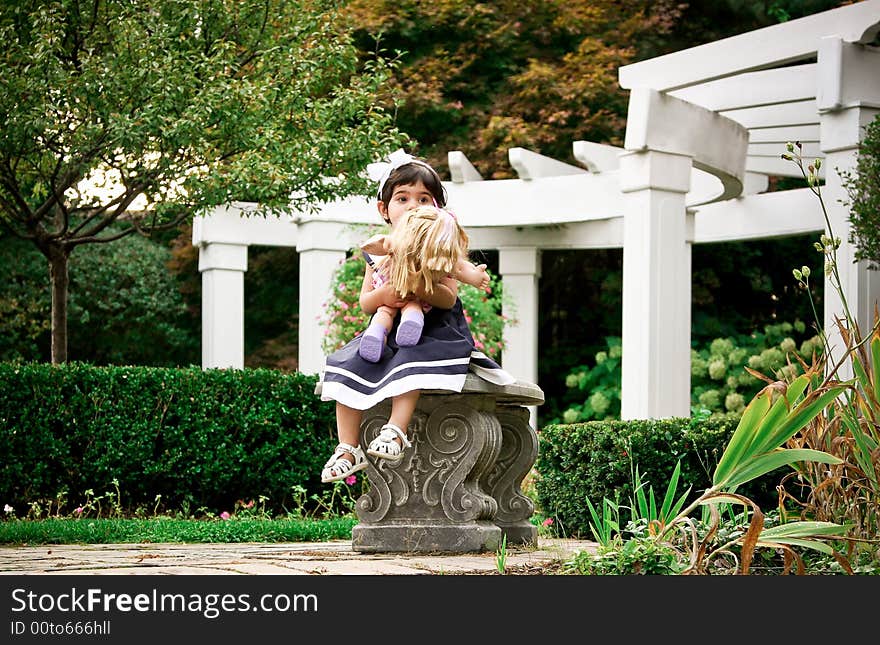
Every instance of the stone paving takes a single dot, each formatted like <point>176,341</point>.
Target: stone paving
<point>300,558</point>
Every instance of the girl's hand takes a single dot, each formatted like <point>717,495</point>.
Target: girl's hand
<point>389,297</point>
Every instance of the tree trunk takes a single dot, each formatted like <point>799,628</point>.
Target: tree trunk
<point>58,258</point>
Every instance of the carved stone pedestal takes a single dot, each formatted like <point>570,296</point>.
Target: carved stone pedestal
<point>457,489</point>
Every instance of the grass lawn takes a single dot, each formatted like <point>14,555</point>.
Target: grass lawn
<point>112,531</point>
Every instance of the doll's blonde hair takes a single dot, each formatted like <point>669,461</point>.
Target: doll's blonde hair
<point>426,244</point>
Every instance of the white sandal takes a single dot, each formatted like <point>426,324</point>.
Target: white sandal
<point>341,466</point>
<point>384,445</point>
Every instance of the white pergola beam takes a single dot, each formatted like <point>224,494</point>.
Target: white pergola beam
<point>785,134</point>
<point>224,226</point>
<point>758,49</point>
<point>776,166</point>
<point>664,123</point>
<point>595,234</point>
<point>597,157</point>
<point>751,89</point>
<point>531,165</point>
<point>780,115</point>
<point>768,215</point>
<point>545,201</point>
<point>848,75</point>
<point>460,168</point>
<point>809,149</point>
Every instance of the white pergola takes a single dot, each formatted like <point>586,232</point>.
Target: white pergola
<point>706,126</point>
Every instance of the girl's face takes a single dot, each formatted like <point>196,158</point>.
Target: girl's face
<point>404,198</point>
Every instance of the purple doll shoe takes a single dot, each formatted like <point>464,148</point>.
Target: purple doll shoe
<point>410,330</point>
<point>372,343</point>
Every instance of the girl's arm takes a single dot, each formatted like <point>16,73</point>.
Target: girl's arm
<point>371,299</point>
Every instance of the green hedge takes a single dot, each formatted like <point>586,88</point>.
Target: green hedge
<point>596,459</point>
<point>199,438</point>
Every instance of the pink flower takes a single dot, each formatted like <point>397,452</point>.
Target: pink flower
<point>478,344</point>
<point>351,479</point>
<point>224,515</point>
<point>78,510</point>
<point>250,504</point>
<point>547,522</point>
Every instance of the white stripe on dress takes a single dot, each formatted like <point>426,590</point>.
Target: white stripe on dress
<point>335,391</point>
<point>404,366</point>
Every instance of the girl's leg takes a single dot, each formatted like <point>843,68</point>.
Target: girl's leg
<point>412,321</point>
<point>402,408</point>
<point>373,339</point>
<point>348,427</point>
<point>388,444</point>
<point>348,424</point>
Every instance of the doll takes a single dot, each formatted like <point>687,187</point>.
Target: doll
<point>427,245</point>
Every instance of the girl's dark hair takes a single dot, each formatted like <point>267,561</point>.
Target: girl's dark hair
<point>410,173</point>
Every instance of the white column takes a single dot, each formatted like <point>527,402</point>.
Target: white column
<point>848,80</point>
<point>520,269</point>
<point>322,247</point>
<point>222,267</point>
<point>656,285</point>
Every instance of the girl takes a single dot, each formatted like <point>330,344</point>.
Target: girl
<point>427,245</point>
<point>439,362</point>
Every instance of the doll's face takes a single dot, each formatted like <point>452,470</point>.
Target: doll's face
<point>405,197</point>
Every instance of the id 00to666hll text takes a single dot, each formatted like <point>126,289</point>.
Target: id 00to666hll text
<point>65,628</point>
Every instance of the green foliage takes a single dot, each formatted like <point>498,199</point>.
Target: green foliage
<point>596,460</point>
<point>848,491</point>
<point>720,384</point>
<point>24,302</point>
<point>863,189</point>
<point>637,556</point>
<point>343,318</point>
<point>125,307</point>
<point>199,438</point>
<point>482,311</point>
<point>600,384</point>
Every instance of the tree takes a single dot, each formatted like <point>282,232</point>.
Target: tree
<point>144,114</point>
<point>863,191</point>
<point>124,305</point>
<point>484,77</point>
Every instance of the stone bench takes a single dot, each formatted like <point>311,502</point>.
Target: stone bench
<point>457,489</point>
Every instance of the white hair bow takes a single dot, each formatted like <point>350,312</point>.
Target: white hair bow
<point>381,170</point>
